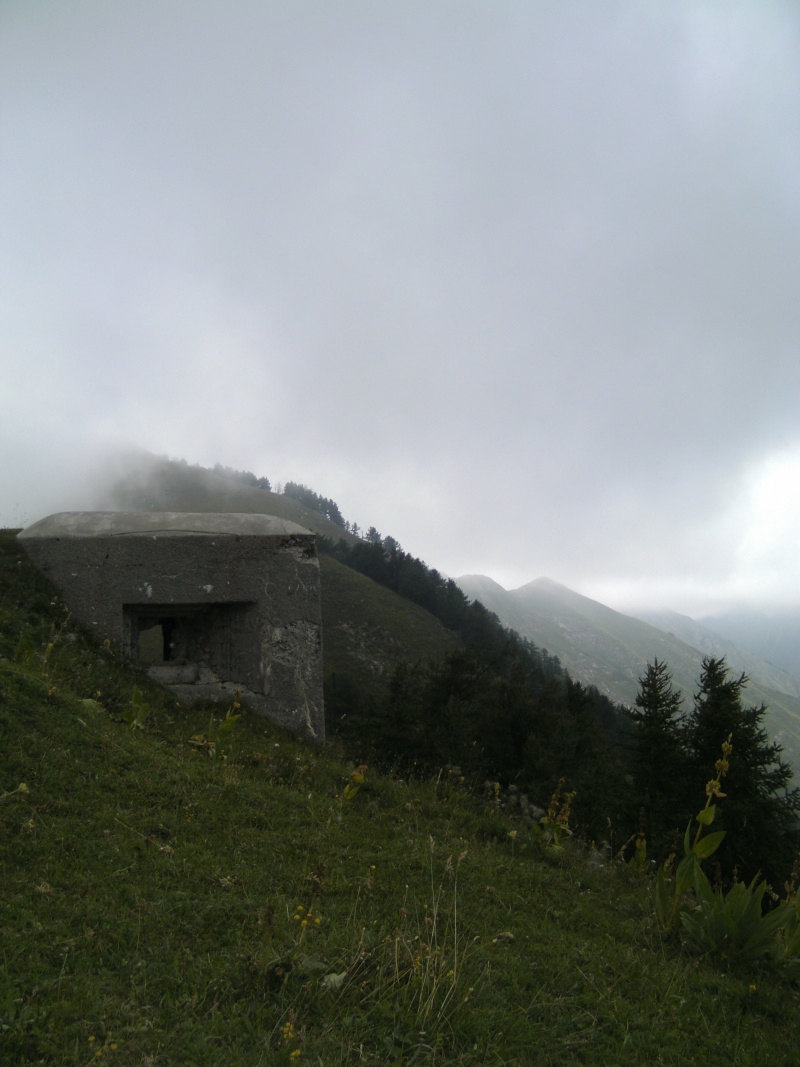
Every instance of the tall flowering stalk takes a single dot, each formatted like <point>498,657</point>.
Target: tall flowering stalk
<point>689,873</point>
<point>556,822</point>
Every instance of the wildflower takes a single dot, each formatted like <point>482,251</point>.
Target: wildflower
<point>356,781</point>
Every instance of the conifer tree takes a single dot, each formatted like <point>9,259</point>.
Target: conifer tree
<point>658,768</point>
<point>760,811</point>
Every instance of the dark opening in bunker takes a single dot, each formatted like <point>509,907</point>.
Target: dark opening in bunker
<point>194,641</point>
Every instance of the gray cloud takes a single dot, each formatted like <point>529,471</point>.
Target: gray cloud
<point>516,283</point>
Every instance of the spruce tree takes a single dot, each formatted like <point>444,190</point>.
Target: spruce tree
<point>760,811</point>
<point>658,767</point>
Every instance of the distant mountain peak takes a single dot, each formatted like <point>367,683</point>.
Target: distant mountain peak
<point>549,587</point>
<point>480,580</point>
<point>547,583</point>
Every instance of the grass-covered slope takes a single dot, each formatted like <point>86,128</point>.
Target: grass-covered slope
<point>160,906</point>
<point>155,484</point>
<point>368,630</point>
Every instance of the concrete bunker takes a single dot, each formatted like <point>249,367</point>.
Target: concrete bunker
<point>207,604</point>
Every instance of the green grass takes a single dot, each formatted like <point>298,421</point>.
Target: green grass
<point>368,630</point>
<point>148,897</point>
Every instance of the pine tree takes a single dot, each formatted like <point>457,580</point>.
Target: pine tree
<point>658,768</point>
<point>760,811</point>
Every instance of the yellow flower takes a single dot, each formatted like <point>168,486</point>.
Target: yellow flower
<point>713,788</point>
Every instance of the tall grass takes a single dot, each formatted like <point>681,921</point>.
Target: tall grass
<point>152,899</point>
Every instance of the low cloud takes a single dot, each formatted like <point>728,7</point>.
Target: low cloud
<point>515,284</point>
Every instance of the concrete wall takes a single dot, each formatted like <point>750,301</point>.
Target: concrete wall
<point>206,603</point>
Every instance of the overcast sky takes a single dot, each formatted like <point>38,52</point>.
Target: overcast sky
<point>515,282</point>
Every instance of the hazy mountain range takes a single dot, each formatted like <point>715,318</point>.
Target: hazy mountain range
<point>604,648</point>
<point>772,635</point>
<point>750,651</point>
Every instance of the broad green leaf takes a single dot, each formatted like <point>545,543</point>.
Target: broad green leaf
<point>774,920</point>
<point>706,816</point>
<point>702,887</point>
<point>687,838</point>
<point>700,931</point>
<point>684,875</point>
<point>708,845</point>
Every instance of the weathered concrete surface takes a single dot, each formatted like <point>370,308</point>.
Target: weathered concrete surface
<point>207,603</point>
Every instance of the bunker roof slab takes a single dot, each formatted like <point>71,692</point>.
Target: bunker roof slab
<point>163,523</point>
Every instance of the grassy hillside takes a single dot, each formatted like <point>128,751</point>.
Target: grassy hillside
<point>174,897</point>
<point>157,484</point>
<point>610,650</point>
<point>368,630</point>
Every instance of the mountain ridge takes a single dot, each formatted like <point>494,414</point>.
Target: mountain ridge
<point>610,650</point>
